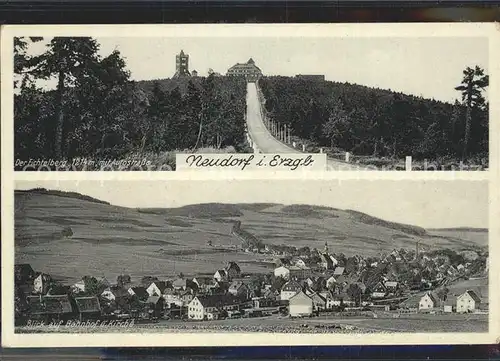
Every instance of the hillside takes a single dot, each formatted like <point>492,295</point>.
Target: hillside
<point>109,240</point>
<point>373,122</point>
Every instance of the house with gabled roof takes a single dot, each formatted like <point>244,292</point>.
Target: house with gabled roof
<point>300,305</point>
<point>139,291</point>
<point>157,288</point>
<point>211,307</point>
<point>319,302</point>
<point>41,284</point>
<point>289,289</point>
<point>204,283</point>
<point>23,273</point>
<point>239,289</point>
<point>232,270</point>
<point>78,287</point>
<point>428,301</point>
<point>379,291</point>
<point>113,293</point>
<point>81,286</point>
<point>221,275</point>
<point>468,301</point>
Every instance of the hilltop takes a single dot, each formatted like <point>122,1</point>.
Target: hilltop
<point>111,240</point>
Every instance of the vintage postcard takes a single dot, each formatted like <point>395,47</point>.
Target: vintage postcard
<point>177,262</point>
<point>107,98</point>
<point>222,185</point>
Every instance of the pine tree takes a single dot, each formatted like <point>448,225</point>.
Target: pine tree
<point>22,60</point>
<point>474,81</point>
<point>69,60</point>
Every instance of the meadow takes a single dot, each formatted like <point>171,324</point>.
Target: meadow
<point>322,324</point>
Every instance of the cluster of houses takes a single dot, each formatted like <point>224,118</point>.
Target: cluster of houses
<point>224,294</point>
<point>399,281</point>
<point>298,286</point>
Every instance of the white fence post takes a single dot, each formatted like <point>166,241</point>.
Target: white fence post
<point>294,144</point>
<point>408,163</point>
<point>303,147</point>
<point>347,156</point>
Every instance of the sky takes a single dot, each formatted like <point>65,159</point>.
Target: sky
<point>424,66</point>
<point>429,204</point>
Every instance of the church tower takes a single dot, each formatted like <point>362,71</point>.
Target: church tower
<point>181,65</point>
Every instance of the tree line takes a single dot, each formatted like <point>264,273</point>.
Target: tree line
<point>377,122</point>
<point>95,110</point>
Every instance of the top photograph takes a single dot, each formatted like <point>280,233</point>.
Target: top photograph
<point>147,103</point>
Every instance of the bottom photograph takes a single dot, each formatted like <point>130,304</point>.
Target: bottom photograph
<point>274,256</point>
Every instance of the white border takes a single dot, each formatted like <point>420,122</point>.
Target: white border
<point>8,177</point>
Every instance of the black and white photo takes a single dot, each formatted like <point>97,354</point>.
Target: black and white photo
<point>367,103</point>
<point>204,256</point>
<point>250,185</point>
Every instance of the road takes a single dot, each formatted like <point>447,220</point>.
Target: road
<point>266,143</point>
<point>256,128</point>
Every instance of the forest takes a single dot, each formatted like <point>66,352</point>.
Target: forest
<point>382,123</point>
<point>96,111</point>
<point>93,110</point>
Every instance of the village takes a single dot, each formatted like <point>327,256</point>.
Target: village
<point>313,285</point>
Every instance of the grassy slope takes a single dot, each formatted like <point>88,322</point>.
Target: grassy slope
<point>110,240</point>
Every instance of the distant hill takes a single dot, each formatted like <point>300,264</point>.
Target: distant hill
<point>459,229</point>
<point>109,240</point>
<point>202,210</point>
<point>58,193</point>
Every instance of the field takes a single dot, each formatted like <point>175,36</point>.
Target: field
<point>322,324</point>
<point>107,240</point>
